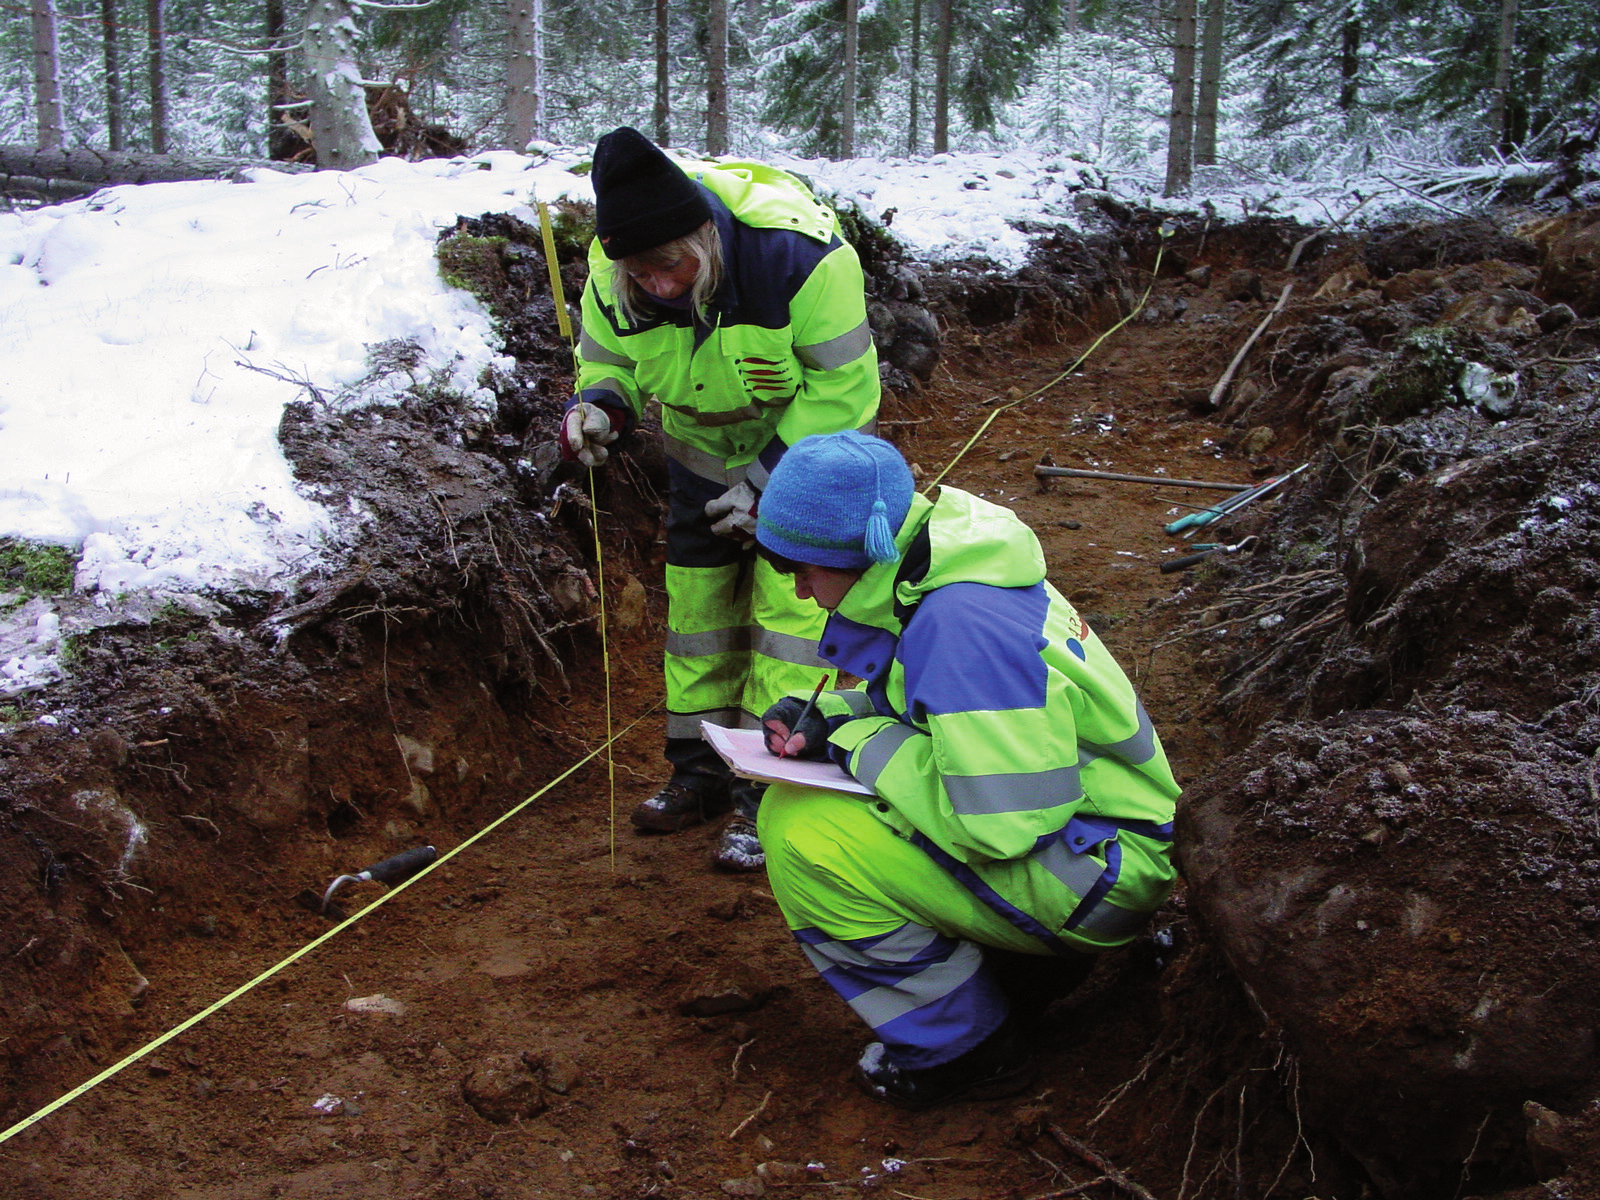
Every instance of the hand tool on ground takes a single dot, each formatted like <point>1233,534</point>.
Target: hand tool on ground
<point>805,712</point>
<point>391,871</point>
<point>1192,522</point>
<point>1204,551</point>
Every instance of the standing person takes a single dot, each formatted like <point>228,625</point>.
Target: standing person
<point>1024,804</point>
<point>725,291</point>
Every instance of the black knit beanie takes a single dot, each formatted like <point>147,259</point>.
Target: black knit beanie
<point>642,199</point>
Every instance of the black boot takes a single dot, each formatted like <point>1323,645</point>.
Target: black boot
<point>686,799</point>
<point>996,1067</point>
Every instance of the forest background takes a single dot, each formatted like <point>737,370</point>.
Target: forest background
<point>1158,88</point>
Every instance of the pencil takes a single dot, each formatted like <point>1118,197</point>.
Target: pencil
<point>783,751</point>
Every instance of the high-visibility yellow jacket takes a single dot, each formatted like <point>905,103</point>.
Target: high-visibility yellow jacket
<point>998,731</point>
<point>784,350</point>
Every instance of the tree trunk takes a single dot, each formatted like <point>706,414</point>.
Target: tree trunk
<point>663,113</point>
<point>524,68</point>
<point>717,79</point>
<point>279,144</point>
<point>47,75</point>
<point>1205,117</point>
<point>156,16</point>
<point>847,113</point>
<point>57,174</point>
<point>1180,126</point>
<point>1350,63</point>
<point>341,130</point>
<point>941,76</point>
<point>1499,107</point>
<point>111,48</point>
<point>916,75</point>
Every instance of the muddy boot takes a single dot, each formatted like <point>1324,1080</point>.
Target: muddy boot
<point>995,1067</point>
<point>738,849</point>
<point>686,799</point>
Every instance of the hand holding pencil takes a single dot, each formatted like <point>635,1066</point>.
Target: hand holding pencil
<point>791,736</point>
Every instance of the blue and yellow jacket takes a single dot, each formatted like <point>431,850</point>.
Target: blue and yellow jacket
<point>784,350</point>
<point>998,731</point>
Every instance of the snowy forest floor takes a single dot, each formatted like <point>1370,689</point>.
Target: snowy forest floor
<point>582,1011</point>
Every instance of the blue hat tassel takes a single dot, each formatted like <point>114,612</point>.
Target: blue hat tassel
<point>880,545</point>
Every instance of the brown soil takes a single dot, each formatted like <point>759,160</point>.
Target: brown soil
<point>582,1011</point>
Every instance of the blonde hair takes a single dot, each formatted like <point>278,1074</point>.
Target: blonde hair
<point>705,244</point>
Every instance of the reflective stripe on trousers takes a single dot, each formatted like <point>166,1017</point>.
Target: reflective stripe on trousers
<point>737,638</point>
<point>920,992</point>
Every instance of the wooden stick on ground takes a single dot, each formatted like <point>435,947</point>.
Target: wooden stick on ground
<point>1099,1162</point>
<point>1221,390</point>
<point>761,1108</point>
<point>1074,473</point>
<point>1076,1189</point>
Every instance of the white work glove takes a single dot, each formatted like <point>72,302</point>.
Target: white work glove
<point>733,513</point>
<point>586,431</point>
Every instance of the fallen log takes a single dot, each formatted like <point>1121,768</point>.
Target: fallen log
<point>61,174</point>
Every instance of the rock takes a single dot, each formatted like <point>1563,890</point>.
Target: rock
<point>750,1185</point>
<point>561,1071</point>
<point>378,1003</point>
<point>730,990</point>
<point>1259,439</point>
<point>1571,269</point>
<point>503,1089</point>
<point>630,606</point>
<point>1547,1141</point>
<point>1200,276</point>
<point>1557,316</point>
<point>1243,285</point>
<point>1494,394</point>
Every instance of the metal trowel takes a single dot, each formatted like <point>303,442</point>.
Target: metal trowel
<point>394,870</point>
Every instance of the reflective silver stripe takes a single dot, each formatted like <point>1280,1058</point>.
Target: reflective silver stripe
<point>1108,921</point>
<point>873,755</point>
<point>1078,873</point>
<point>785,647</point>
<point>606,385</point>
<point>901,946</point>
<point>758,475</point>
<point>706,466</point>
<point>836,352</point>
<point>1140,748</point>
<point>880,1005</point>
<point>710,641</point>
<point>592,351</point>
<point>687,725</point>
<point>860,703</point>
<point>990,795</point>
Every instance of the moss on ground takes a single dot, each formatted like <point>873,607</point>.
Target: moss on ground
<point>32,568</point>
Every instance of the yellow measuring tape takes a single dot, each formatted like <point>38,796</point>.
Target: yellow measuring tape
<point>1161,247</point>
<point>304,950</point>
<point>559,296</point>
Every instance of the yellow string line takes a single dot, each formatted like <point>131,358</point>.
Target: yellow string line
<point>559,295</point>
<point>1078,362</point>
<point>309,946</point>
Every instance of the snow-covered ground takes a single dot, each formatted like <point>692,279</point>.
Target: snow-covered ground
<point>150,337</point>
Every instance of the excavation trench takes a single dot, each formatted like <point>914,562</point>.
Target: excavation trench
<point>566,1008</point>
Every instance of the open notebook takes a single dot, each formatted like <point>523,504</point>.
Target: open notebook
<point>745,751</point>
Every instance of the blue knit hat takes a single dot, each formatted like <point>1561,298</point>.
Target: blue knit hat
<point>836,500</point>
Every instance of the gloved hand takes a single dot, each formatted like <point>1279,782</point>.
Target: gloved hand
<point>734,512</point>
<point>586,432</point>
<point>809,740</point>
